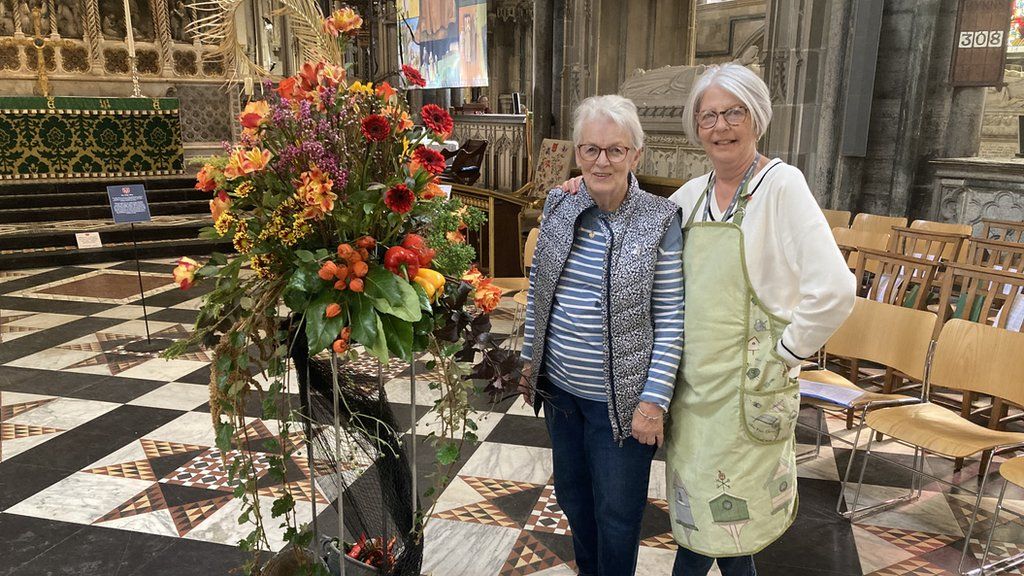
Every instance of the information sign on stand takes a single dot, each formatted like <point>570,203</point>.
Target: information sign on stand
<point>128,205</point>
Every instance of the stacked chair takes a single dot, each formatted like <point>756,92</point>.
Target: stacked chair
<point>934,360</point>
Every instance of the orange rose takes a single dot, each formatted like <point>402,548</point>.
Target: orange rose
<point>254,114</point>
<point>185,272</point>
<point>473,276</point>
<point>487,296</point>
<point>206,180</point>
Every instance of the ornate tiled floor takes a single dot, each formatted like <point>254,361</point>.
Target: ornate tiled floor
<point>108,464</point>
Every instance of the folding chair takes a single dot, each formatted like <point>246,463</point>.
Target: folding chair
<point>895,337</point>
<point>970,357</point>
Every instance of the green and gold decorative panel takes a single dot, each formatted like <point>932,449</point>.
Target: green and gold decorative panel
<point>77,138</point>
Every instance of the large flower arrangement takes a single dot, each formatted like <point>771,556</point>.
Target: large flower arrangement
<point>331,201</point>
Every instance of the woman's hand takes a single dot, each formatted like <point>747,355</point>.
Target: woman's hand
<point>572,185</point>
<point>524,383</point>
<point>649,424</point>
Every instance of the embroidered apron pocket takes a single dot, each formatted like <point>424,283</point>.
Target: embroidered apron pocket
<point>769,400</point>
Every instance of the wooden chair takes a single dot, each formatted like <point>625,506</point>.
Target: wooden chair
<point>876,223</point>
<point>466,162</point>
<point>894,278</point>
<point>516,284</point>
<point>996,254</point>
<point>850,240</point>
<point>553,162</point>
<point>944,227</point>
<point>919,243</point>
<point>967,356</point>
<point>985,296</point>
<point>837,218</point>
<point>895,337</point>
<point>1004,230</point>
<point>520,286</point>
<point>1012,472</point>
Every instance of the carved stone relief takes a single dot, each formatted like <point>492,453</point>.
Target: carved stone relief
<point>180,17</point>
<point>6,18</point>
<point>205,113</point>
<point>185,63</point>
<point>970,190</point>
<point>71,19</point>
<point>112,19</point>
<point>115,60</point>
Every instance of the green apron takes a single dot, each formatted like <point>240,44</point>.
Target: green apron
<point>731,468</point>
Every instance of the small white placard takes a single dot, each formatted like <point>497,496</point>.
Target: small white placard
<point>88,240</point>
<point>447,190</point>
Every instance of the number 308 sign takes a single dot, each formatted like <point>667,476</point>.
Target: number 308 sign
<point>982,39</point>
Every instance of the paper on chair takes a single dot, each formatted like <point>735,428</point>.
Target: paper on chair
<point>829,392</point>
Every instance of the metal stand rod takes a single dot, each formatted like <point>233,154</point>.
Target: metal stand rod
<point>337,471</point>
<point>412,438</point>
<point>308,414</point>
<point>142,290</point>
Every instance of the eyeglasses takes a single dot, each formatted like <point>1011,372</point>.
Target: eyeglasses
<point>591,153</point>
<point>733,116</point>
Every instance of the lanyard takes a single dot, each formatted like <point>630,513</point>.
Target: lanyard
<point>735,197</point>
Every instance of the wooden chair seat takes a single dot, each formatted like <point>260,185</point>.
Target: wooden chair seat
<point>833,379</point>
<point>938,430</point>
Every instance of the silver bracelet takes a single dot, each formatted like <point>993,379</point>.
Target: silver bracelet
<point>644,414</point>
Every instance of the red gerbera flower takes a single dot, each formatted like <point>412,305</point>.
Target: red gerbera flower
<point>376,128</point>
<point>431,160</point>
<point>399,199</point>
<point>437,119</point>
<point>413,76</point>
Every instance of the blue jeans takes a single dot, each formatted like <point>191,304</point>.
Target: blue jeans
<point>689,563</point>
<point>600,486</point>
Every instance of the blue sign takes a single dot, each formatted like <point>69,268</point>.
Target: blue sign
<point>128,203</point>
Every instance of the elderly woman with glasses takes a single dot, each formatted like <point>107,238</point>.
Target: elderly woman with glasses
<point>603,334</point>
<point>766,287</point>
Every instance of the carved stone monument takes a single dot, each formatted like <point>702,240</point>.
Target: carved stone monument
<point>660,96</point>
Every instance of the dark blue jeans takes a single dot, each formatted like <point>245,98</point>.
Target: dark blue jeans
<point>601,486</point>
<point>689,563</point>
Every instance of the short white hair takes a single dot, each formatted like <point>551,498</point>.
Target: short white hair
<point>616,108</point>
<point>739,81</point>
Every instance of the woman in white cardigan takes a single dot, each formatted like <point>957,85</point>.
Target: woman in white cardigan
<point>765,286</point>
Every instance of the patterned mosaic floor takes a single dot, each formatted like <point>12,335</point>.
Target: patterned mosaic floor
<point>108,464</point>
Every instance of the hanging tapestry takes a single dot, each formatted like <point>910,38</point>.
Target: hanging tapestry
<point>77,138</point>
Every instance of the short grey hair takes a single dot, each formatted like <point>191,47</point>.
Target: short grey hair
<point>739,81</point>
<point>616,108</point>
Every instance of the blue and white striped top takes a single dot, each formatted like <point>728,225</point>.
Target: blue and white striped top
<point>575,341</point>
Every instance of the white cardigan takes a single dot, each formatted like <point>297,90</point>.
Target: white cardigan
<point>794,265</point>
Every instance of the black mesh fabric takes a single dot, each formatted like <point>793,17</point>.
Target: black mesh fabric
<point>375,476</point>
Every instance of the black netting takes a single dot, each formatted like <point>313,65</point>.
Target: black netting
<point>375,472</point>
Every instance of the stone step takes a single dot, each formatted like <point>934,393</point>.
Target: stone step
<point>69,255</point>
<point>95,198</point>
<point>97,211</point>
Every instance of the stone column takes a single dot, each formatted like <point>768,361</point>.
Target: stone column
<point>93,35</point>
<point>543,47</point>
<point>578,61</point>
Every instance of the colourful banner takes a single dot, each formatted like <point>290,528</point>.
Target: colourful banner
<point>446,40</point>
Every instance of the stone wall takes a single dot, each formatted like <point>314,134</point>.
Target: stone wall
<point>966,190</point>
